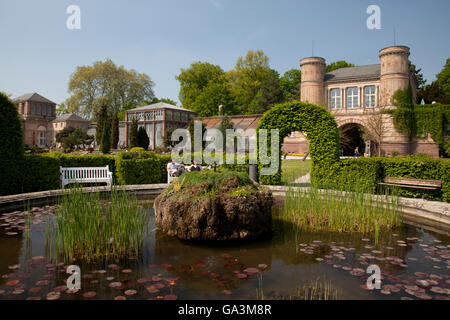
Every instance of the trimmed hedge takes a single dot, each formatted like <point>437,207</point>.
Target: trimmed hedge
<point>366,173</point>
<point>39,173</point>
<point>315,121</point>
<point>141,168</point>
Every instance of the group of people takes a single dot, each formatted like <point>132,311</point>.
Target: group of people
<point>177,169</point>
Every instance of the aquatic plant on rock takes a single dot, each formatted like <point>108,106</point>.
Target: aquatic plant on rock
<point>216,206</point>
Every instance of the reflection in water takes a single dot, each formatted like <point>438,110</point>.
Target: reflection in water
<point>274,268</point>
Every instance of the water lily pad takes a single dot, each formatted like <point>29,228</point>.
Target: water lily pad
<point>170,297</point>
<point>130,292</point>
<point>89,294</point>
<point>127,271</point>
<point>120,298</point>
<point>34,290</point>
<point>159,285</point>
<point>227,292</point>
<point>153,266</point>
<point>17,291</point>
<point>241,275</point>
<point>60,288</point>
<point>12,283</point>
<point>225,256</point>
<point>200,264</point>
<point>166,265</point>
<point>33,298</point>
<point>115,284</point>
<point>152,289</point>
<point>53,295</point>
<point>156,279</point>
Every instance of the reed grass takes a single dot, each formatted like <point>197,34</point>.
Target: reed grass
<point>87,227</point>
<point>315,290</point>
<point>339,211</point>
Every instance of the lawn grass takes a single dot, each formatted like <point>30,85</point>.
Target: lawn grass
<point>293,169</point>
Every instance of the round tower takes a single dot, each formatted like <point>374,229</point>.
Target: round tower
<point>312,84</point>
<point>394,72</point>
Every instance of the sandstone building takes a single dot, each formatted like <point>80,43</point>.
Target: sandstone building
<point>355,96</point>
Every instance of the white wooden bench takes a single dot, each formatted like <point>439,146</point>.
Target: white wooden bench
<point>85,175</point>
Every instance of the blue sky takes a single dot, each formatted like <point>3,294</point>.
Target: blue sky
<point>159,37</point>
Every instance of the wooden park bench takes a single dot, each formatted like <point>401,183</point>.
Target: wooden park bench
<point>412,183</point>
<point>85,175</point>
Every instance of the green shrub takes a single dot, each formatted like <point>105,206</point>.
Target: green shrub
<point>11,147</point>
<point>416,167</point>
<point>364,174</point>
<point>141,168</point>
<point>39,173</point>
<point>137,149</point>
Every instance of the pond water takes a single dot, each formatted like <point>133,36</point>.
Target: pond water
<point>414,263</point>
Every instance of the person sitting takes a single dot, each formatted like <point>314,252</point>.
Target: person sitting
<point>172,168</point>
<point>195,167</point>
<point>180,170</point>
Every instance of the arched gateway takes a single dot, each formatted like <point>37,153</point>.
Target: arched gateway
<point>314,121</point>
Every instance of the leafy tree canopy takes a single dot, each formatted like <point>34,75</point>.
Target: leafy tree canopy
<point>338,65</point>
<point>71,137</point>
<point>290,84</point>
<point>106,79</point>
<point>443,78</point>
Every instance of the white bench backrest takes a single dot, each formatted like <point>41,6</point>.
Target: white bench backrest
<point>85,174</point>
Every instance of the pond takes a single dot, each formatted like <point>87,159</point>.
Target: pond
<point>414,264</point>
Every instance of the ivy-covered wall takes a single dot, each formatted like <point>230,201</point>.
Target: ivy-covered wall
<point>423,120</point>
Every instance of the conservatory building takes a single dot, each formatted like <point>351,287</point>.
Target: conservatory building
<point>157,119</point>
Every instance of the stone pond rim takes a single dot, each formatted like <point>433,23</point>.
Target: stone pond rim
<point>225,216</point>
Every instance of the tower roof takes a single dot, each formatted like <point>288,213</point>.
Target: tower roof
<point>32,97</point>
<point>69,117</point>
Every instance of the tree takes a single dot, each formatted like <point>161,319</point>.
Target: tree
<point>166,100</point>
<point>268,95</point>
<point>101,116</point>
<point>215,94</point>
<point>195,79</point>
<point>167,139</point>
<point>290,84</point>
<point>142,137</point>
<point>62,109</point>
<point>338,65</point>
<point>417,74</point>
<point>114,132</point>
<point>443,78</point>
<point>105,146</point>
<point>134,134</point>
<point>11,148</point>
<point>247,78</point>
<point>377,127</point>
<point>225,123</point>
<point>432,93</point>
<point>71,137</point>
<point>106,79</point>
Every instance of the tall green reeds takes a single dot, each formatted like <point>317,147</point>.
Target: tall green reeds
<point>87,227</point>
<point>339,211</point>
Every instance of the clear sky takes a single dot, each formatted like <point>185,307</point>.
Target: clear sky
<point>159,37</point>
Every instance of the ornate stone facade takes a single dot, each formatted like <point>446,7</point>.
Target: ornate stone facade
<point>356,96</point>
